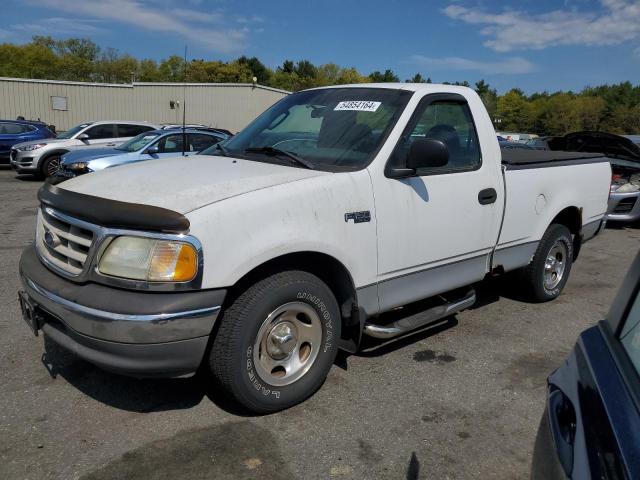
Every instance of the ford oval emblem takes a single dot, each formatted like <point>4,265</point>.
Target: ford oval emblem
<point>51,240</point>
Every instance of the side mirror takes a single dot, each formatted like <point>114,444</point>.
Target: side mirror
<point>83,137</point>
<point>152,150</point>
<point>427,153</point>
<point>423,153</point>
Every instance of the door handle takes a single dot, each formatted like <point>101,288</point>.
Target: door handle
<point>487,196</point>
<point>562,422</point>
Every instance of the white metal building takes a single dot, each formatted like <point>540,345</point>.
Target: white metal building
<point>65,104</point>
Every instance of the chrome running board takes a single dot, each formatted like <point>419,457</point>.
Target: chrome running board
<point>408,324</point>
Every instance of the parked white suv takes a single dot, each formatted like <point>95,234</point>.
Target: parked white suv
<point>258,261</point>
<point>42,157</point>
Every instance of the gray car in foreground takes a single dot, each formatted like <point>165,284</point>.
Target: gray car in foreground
<point>42,157</point>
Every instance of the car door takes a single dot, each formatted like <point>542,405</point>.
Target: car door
<point>591,424</point>
<point>12,133</point>
<point>104,133</point>
<point>434,234</point>
<point>171,146</point>
<point>201,141</point>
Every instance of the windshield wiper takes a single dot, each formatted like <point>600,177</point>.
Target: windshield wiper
<point>222,148</point>
<point>276,151</point>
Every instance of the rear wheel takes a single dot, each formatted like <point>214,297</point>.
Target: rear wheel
<point>50,166</point>
<point>276,342</point>
<point>547,274</point>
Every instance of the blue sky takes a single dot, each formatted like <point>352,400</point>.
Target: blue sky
<point>542,45</point>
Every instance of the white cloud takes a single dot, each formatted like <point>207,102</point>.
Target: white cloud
<point>617,21</point>
<point>70,26</point>
<point>202,28</point>
<point>512,65</point>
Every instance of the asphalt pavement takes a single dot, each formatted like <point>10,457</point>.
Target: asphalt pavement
<point>459,400</point>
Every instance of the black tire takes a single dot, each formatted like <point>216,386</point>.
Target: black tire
<point>47,165</point>
<point>232,360</point>
<point>533,275</point>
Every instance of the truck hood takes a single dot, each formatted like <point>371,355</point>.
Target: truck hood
<point>608,144</point>
<point>184,184</point>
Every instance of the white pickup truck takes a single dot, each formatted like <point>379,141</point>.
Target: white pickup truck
<point>259,262</point>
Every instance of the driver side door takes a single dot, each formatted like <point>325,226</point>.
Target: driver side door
<point>434,233</point>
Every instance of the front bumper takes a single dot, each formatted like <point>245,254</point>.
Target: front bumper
<point>624,207</point>
<point>24,162</point>
<point>131,332</point>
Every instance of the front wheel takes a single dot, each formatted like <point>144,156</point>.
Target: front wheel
<point>547,274</point>
<point>276,342</point>
<point>50,166</point>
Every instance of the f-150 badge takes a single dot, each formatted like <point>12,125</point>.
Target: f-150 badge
<point>358,217</point>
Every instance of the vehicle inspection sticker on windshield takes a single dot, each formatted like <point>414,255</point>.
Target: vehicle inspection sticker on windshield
<point>358,105</point>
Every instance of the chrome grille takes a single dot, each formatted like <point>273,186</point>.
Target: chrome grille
<point>61,242</point>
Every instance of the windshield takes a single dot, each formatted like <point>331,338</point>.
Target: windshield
<point>72,131</point>
<point>138,142</point>
<point>329,129</point>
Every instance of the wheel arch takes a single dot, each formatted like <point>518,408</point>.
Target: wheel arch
<point>326,267</point>
<point>571,217</point>
<point>46,156</point>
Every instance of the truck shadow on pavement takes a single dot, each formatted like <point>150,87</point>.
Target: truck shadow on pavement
<point>159,394</point>
<point>141,395</point>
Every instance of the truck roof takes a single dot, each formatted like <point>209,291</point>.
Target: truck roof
<point>413,87</point>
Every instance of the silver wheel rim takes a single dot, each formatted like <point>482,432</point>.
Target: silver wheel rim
<point>53,166</point>
<point>555,265</point>
<point>287,343</point>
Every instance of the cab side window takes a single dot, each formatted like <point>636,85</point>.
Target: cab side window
<point>101,131</point>
<point>450,122</point>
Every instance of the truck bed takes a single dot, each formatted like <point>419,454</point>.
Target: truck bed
<point>516,159</point>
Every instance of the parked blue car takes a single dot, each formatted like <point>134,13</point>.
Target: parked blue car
<point>18,131</point>
<point>146,146</point>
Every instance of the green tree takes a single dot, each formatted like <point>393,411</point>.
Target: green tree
<point>489,97</point>
<point>386,77</point>
<point>417,78</point>
<point>257,68</point>
<point>147,71</point>
<point>513,110</point>
<point>172,69</point>
<point>614,108</point>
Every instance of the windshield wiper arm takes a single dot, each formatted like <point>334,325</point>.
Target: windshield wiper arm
<point>277,151</point>
<point>223,149</point>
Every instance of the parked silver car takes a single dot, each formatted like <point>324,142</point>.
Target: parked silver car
<point>42,157</point>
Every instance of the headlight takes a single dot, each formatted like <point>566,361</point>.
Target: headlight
<point>78,166</point>
<point>151,260</point>
<point>35,146</point>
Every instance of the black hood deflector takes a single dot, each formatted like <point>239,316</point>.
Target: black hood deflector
<point>112,213</point>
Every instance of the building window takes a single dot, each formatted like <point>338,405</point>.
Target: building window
<point>59,103</point>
